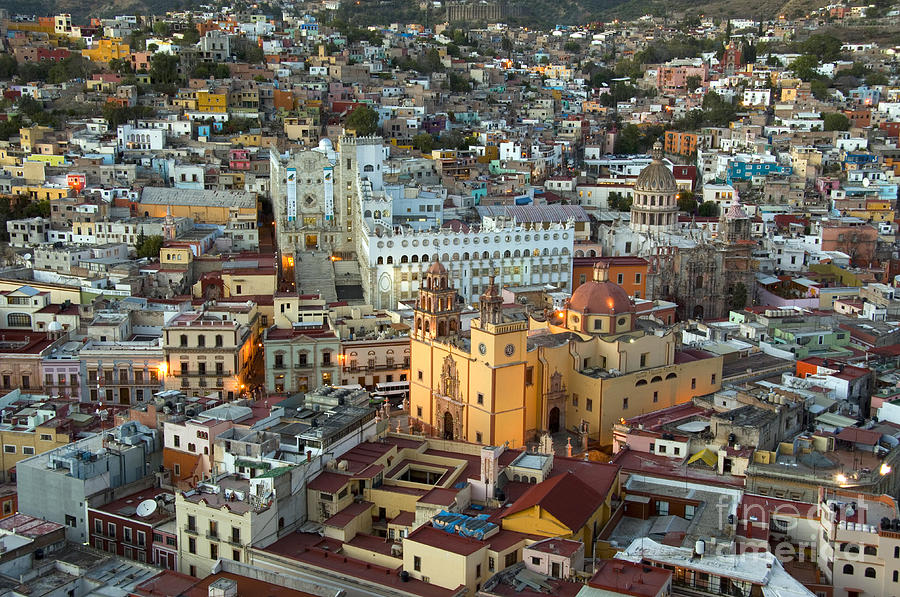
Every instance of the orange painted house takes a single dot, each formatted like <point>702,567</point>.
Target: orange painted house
<point>188,448</point>
<point>628,272</point>
<point>677,143</point>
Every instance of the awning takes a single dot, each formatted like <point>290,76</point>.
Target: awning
<point>707,456</point>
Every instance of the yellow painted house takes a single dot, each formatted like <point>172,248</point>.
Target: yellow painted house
<point>583,367</point>
<point>40,193</point>
<point>563,506</point>
<point>876,210</point>
<point>50,159</point>
<point>108,49</point>
<point>30,135</point>
<point>208,101</point>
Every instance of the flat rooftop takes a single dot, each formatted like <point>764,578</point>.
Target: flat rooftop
<point>199,198</point>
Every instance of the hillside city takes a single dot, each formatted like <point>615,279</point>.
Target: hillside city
<point>292,304</point>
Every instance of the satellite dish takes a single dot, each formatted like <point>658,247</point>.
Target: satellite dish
<point>866,182</point>
<point>146,508</point>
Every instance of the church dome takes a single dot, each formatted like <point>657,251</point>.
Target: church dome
<point>437,268</point>
<point>656,177</point>
<point>735,211</point>
<point>600,298</point>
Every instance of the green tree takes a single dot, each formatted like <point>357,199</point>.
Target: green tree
<point>618,201</point>
<point>71,67</point>
<point>805,67</point>
<point>190,36</point>
<point>8,66</point>
<point>687,202</point>
<point>433,61</point>
<point>164,73</point>
<point>708,209</point>
<point>750,53</point>
<point>858,70</point>
<point>149,246</point>
<point>826,47</point>
<point>363,120</point>
<point>161,28</point>
<point>619,92</point>
<point>10,127</point>
<point>876,78</point>
<point>738,298</point>
<point>32,108</point>
<point>137,38</point>
<point>120,66</point>
<point>602,76</point>
<point>820,89</point>
<point>452,140</point>
<point>692,83</point>
<point>718,111</point>
<point>628,140</point>
<point>835,121</point>
<point>453,50</point>
<point>116,115</point>
<point>249,52</point>
<point>33,71</point>
<point>423,142</point>
<point>572,46</point>
<point>459,83</point>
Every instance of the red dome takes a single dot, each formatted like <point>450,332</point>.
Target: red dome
<point>603,298</point>
<point>437,268</point>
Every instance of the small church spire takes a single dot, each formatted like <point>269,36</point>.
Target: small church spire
<point>491,304</point>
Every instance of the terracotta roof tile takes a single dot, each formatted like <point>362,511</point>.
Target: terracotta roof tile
<point>566,497</point>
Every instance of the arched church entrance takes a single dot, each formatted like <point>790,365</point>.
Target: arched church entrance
<point>448,425</point>
<point>553,423</point>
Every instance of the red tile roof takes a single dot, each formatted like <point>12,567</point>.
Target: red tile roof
<point>29,526</point>
<point>348,514</point>
<point>439,496</point>
<point>506,539</point>
<point>630,578</point>
<point>165,584</point>
<point>311,550</point>
<point>600,476</point>
<point>329,482</point>
<point>855,435</point>
<point>245,586</point>
<point>428,535</point>
<point>555,545</point>
<point>404,519</point>
<point>762,507</point>
<point>566,497</point>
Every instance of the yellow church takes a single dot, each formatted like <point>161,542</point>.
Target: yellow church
<point>581,369</point>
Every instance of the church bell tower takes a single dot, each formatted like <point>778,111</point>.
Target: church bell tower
<point>436,312</point>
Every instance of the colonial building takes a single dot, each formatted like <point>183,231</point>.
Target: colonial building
<point>394,263</point>
<point>706,273</point>
<point>601,358</point>
<point>138,526</point>
<point>212,351</point>
<point>314,192</point>
<point>223,517</point>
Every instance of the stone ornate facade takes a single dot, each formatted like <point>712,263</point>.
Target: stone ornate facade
<point>704,273</point>
<point>510,379</point>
